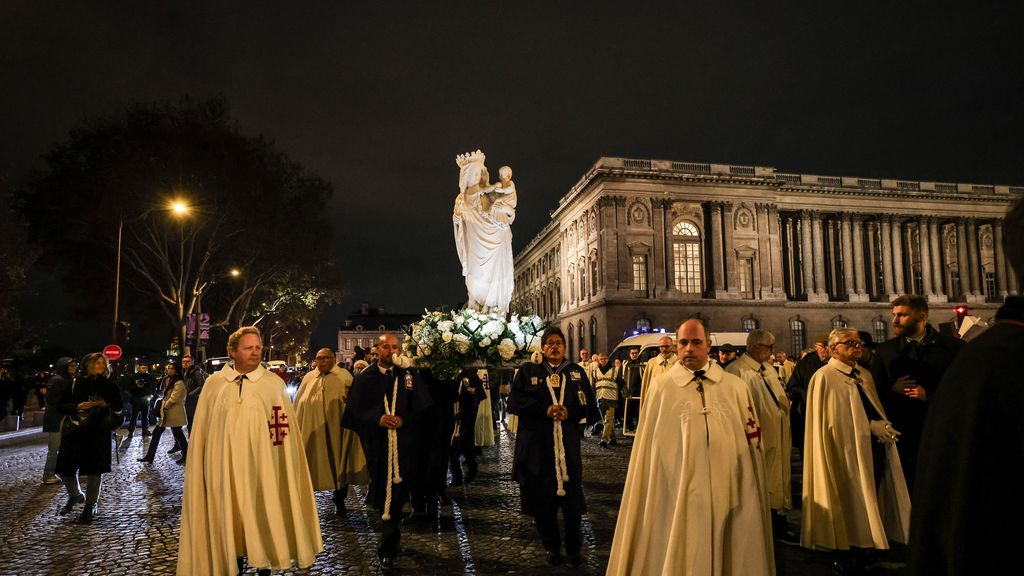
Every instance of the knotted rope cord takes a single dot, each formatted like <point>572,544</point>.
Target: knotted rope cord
<point>394,475</point>
<point>457,412</point>
<point>561,468</point>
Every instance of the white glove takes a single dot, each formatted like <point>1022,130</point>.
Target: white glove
<point>883,430</point>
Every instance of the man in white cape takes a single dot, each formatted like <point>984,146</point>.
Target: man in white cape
<point>694,502</point>
<point>247,488</point>
<point>754,367</point>
<point>854,492</point>
<point>335,457</point>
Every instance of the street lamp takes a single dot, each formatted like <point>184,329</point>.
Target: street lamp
<point>178,208</point>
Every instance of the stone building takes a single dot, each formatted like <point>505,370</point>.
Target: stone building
<point>640,245</point>
<point>363,326</point>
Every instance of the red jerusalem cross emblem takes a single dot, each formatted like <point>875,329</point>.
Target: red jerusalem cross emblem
<point>278,426</point>
<point>753,429</point>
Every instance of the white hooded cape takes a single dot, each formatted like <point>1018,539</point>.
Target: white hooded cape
<point>776,435</point>
<point>335,457</point>
<point>694,502</point>
<point>247,486</point>
<point>841,505</point>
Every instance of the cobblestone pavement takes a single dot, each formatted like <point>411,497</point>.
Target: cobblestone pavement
<point>136,529</point>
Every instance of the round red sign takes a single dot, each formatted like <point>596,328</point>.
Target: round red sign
<point>112,352</point>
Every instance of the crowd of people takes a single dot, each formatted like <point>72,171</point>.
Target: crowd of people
<point>922,416</point>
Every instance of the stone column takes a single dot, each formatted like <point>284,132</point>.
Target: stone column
<point>730,253</point>
<point>974,260</point>
<point>908,257</point>
<point>925,257</point>
<point>897,257</point>
<point>670,265</point>
<point>858,259</point>
<point>806,253</point>
<point>716,248</point>
<point>874,265</point>
<point>791,261</point>
<point>775,249</point>
<point>763,288</point>
<point>938,269</point>
<point>961,259</point>
<point>831,257</point>
<point>1000,258</point>
<point>820,294</point>
<point>848,257</point>
<point>887,252</point>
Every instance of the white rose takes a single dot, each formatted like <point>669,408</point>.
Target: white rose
<point>447,337</point>
<point>445,325</point>
<point>473,324</point>
<point>535,343</point>
<point>506,349</point>
<point>493,329</point>
<point>485,343</point>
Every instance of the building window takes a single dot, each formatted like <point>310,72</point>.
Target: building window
<point>749,323</point>
<point>954,283</point>
<point>583,279</point>
<point>686,257</point>
<point>797,339</point>
<point>593,334</point>
<point>572,284</point>
<point>640,273</point>
<point>840,322</point>
<point>918,281</point>
<point>746,277</point>
<point>990,284</point>
<point>581,333</point>
<point>569,344</point>
<point>593,273</point>
<point>348,343</point>
<point>881,329</point>
<point>643,325</point>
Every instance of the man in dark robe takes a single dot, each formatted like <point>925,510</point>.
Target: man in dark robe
<point>433,433</point>
<point>405,396</point>
<point>548,440</point>
<point>796,388</point>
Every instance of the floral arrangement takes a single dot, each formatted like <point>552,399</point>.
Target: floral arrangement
<point>447,342</point>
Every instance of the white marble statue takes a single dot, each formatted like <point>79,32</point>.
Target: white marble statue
<point>482,217</point>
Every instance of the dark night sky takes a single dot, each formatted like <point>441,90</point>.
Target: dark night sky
<point>379,97</point>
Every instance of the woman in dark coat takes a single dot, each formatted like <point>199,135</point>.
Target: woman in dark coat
<point>95,402</point>
<point>550,399</point>
<point>172,413</point>
<point>63,375</point>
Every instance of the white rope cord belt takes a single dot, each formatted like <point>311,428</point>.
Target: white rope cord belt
<point>394,475</point>
<point>561,468</point>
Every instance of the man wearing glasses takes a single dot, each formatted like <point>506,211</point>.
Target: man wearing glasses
<point>854,493</point>
<point>755,368</point>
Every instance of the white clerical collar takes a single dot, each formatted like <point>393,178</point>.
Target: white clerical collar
<point>230,373</point>
<point>708,371</point>
<point>918,339</point>
<point>384,370</point>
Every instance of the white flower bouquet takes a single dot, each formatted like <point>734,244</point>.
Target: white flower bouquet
<point>447,342</point>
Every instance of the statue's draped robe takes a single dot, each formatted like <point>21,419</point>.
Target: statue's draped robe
<point>484,246</point>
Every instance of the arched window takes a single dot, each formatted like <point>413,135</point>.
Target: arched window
<point>686,257</point>
<point>581,333</point>
<point>749,323</point>
<point>593,273</point>
<point>572,283</point>
<point>583,278</point>
<point>840,322</point>
<point>569,344</point>
<point>796,335</point>
<point>593,334</point>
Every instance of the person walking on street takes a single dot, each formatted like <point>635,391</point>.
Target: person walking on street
<point>172,414</point>
<point>64,375</point>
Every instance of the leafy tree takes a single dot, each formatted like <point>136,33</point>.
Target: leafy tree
<point>16,257</point>
<point>249,207</point>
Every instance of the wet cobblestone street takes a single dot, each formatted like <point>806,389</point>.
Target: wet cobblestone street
<point>136,529</point>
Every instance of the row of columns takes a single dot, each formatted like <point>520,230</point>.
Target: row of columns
<point>890,247</point>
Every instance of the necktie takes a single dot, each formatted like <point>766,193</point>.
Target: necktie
<point>869,408</point>
<point>240,378</point>
<point>664,363</point>
<point>699,377</point>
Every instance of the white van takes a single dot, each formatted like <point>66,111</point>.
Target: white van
<point>648,345</point>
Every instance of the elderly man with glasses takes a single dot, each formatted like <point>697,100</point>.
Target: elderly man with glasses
<point>854,493</point>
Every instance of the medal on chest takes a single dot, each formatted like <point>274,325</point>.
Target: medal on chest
<point>408,381</point>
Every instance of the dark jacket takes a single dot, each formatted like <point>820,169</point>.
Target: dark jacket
<point>968,498</point>
<point>895,358</point>
<point>55,390</point>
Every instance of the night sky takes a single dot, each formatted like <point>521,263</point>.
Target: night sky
<point>379,97</point>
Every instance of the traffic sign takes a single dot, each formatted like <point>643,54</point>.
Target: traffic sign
<point>112,352</point>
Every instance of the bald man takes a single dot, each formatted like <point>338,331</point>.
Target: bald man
<point>334,455</point>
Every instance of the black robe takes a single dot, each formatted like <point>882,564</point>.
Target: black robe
<point>969,495</point>
<point>363,412</point>
<point>534,464</point>
<point>87,451</point>
<point>466,404</point>
<point>433,429</point>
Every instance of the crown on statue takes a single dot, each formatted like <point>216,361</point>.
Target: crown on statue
<point>468,158</point>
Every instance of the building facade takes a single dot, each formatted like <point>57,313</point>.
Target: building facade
<point>640,245</point>
<point>362,328</point>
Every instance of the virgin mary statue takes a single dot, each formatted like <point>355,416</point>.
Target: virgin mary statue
<point>483,235</point>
